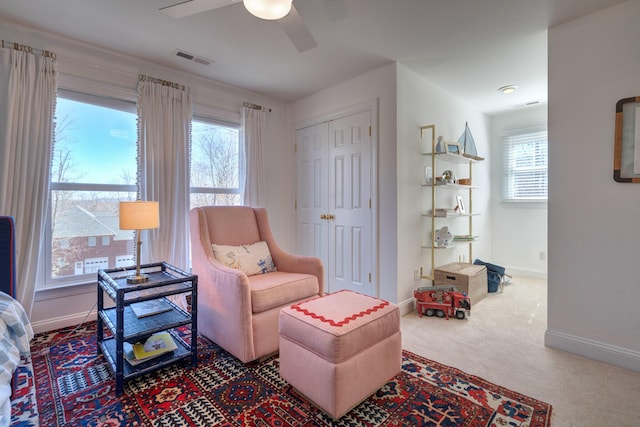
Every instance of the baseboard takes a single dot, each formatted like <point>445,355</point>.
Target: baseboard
<point>526,272</point>
<point>602,352</point>
<point>61,322</point>
<point>406,306</point>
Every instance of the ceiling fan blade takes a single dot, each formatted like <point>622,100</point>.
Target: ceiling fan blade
<point>297,31</point>
<point>191,7</point>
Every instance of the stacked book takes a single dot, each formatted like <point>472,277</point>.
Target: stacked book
<point>464,238</point>
<point>150,307</point>
<point>154,346</point>
<point>442,212</point>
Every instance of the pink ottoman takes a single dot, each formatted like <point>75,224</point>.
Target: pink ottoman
<point>340,348</point>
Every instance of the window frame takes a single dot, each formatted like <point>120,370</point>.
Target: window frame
<point>509,141</point>
<point>219,190</point>
<point>47,282</point>
<point>82,90</point>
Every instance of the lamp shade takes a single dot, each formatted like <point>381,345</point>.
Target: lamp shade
<point>139,215</point>
<point>268,9</point>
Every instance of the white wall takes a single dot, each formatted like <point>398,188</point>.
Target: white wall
<point>594,232</point>
<point>377,85</point>
<point>406,101</point>
<point>519,230</point>
<point>421,103</point>
<point>109,73</point>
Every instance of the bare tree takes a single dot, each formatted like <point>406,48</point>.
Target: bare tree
<point>127,177</point>
<point>63,168</point>
<point>215,165</point>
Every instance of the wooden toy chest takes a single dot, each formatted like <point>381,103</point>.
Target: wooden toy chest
<point>468,278</point>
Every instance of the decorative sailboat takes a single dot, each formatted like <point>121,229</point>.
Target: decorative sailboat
<point>468,145</point>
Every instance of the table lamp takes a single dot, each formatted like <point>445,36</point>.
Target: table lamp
<point>139,215</point>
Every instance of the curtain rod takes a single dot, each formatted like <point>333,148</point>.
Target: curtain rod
<point>173,85</point>
<point>26,48</point>
<point>255,106</point>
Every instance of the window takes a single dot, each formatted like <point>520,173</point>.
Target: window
<point>215,163</point>
<point>93,169</point>
<point>526,167</point>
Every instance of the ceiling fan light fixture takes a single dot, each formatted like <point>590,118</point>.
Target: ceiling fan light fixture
<point>268,9</point>
<point>507,89</point>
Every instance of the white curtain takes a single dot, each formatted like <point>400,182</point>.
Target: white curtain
<point>164,115</point>
<point>252,128</point>
<point>27,104</point>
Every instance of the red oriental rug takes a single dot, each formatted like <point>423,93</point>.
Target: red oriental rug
<point>75,388</point>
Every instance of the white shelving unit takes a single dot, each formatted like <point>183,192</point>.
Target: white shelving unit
<point>444,161</point>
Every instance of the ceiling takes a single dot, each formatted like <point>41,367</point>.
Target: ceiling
<point>467,47</point>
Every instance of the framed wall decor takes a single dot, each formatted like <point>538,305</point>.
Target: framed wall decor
<point>453,148</point>
<point>460,205</point>
<point>626,152</point>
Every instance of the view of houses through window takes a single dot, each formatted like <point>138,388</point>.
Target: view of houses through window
<point>94,167</point>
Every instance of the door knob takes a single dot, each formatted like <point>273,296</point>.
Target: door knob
<point>323,216</point>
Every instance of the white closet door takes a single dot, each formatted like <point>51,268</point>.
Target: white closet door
<point>333,200</point>
<point>350,227</point>
<point>312,192</point>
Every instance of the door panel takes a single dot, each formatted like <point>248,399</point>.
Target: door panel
<point>311,191</point>
<point>349,195</point>
<point>356,256</point>
<point>338,247</point>
<point>334,174</point>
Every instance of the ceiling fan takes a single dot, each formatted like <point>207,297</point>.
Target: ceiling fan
<point>284,12</point>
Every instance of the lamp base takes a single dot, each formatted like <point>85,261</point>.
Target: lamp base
<point>138,279</point>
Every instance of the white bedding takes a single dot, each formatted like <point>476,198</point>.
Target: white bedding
<point>15,335</point>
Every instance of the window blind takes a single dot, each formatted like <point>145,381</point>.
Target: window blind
<point>526,167</point>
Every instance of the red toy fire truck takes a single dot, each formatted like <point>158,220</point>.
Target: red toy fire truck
<point>442,301</point>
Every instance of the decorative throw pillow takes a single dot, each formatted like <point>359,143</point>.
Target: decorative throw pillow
<point>251,259</point>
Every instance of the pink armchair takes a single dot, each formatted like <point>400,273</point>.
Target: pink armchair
<point>236,311</point>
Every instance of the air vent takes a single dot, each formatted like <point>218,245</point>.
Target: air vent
<point>528,104</point>
<point>192,57</point>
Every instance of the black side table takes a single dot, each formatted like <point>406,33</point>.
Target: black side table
<point>164,280</point>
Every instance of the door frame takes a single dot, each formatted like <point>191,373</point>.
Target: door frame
<point>370,105</point>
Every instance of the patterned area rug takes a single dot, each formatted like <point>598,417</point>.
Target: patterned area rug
<point>24,406</point>
<point>75,387</point>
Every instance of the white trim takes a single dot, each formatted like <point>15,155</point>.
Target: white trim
<point>224,117</point>
<point>79,88</point>
<point>368,105</point>
<point>591,349</point>
<point>524,204</point>
<point>61,322</point>
<point>522,130</point>
<point>526,272</point>
<point>407,306</point>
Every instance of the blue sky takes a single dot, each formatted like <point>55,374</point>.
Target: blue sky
<point>103,141</point>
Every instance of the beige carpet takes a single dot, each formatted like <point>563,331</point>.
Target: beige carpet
<point>503,342</point>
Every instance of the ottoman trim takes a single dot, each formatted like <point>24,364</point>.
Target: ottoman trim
<point>344,321</point>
